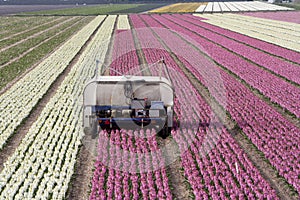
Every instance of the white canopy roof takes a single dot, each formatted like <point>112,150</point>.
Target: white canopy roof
<point>110,90</point>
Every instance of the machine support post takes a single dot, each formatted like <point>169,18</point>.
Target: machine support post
<point>160,66</point>
<point>97,69</point>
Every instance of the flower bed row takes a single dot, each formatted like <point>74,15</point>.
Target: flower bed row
<point>19,47</point>
<point>292,16</point>
<point>278,90</point>
<point>12,40</point>
<point>127,167</point>
<point>219,6</point>
<point>124,56</point>
<point>178,7</point>
<point>270,48</point>
<point>284,68</point>
<point>43,164</point>
<point>275,136</point>
<point>20,99</point>
<point>123,23</point>
<point>236,23</point>
<point>13,26</point>
<point>209,167</point>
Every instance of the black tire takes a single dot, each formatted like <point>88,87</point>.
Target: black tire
<point>87,130</point>
<point>94,130</point>
<point>165,132</point>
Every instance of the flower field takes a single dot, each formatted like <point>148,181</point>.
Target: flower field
<point>178,7</point>
<point>236,81</point>
<point>219,7</point>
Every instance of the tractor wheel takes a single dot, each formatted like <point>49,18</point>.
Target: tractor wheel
<point>165,132</point>
<point>94,131</point>
<point>87,130</point>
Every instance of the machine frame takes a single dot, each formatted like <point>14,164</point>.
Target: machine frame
<point>151,109</point>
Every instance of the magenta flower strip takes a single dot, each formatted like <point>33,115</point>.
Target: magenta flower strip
<point>257,117</point>
<point>273,87</point>
<point>193,175</point>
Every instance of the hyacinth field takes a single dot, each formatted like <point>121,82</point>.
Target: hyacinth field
<point>236,133</point>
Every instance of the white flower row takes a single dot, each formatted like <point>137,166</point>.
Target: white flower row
<point>19,100</point>
<point>262,5</point>
<point>201,8</point>
<point>256,22</point>
<point>123,22</point>
<point>267,24</point>
<point>277,38</point>
<point>217,6</point>
<point>43,164</point>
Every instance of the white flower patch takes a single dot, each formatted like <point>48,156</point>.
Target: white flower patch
<point>19,100</point>
<point>123,22</point>
<point>284,34</point>
<point>43,163</point>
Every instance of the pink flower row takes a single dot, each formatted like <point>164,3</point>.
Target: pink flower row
<point>124,57</point>
<point>291,16</point>
<point>278,90</point>
<point>195,143</point>
<point>269,48</point>
<point>275,136</point>
<point>125,167</point>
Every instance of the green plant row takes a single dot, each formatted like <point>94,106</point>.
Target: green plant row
<point>40,27</point>
<point>13,25</point>
<point>15,69</point>
<point>17,50</point>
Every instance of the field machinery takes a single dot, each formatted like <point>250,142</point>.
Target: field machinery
<point>128,101</point>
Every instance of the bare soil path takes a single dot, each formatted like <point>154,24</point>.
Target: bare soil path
<point>178,184</point>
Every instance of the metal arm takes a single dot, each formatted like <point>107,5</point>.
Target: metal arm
<point>96,69</point>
